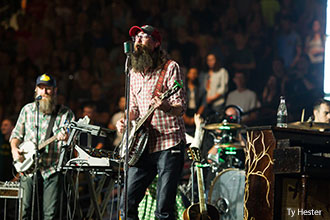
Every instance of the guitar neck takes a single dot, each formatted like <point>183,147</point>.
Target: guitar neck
<point>46,142</point>
<point>165,95</point>
<point>200,182</point>
<point>145,117</point>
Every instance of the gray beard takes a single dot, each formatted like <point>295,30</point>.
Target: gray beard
<point>142,60</point>
<point>47,105</point>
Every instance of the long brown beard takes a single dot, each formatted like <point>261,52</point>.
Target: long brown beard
<point>47,104</point>
<point>142,59</point>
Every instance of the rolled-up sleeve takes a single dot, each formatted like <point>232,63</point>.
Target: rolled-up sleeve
<point>19,130</point>
<point>179,98</point>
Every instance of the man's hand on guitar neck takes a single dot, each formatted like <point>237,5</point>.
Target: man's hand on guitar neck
<point>161,104</point>
<point>120,125</point>
<point>62,135</point>
<point>166,107</point>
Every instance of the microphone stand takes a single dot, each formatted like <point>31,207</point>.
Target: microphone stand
<point>36,162</point>
<point>128,51</point>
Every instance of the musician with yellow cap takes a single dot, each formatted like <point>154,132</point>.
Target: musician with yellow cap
<point>37,122</point>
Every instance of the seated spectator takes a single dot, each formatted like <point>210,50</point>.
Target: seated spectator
<point>115,118</point>
<point>6,161</point>
<point>299,89</point>
<point>270,100</point>
<point>243,97</point>
<point>95,142</point>
<point>101,114</point>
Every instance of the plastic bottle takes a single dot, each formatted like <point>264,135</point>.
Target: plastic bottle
<point>282,114</point>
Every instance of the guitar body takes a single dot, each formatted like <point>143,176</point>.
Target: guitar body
<point>193,213</point>
<point>201,210</point>
<point>137,142</point>
<point>139,135</point>
<point>28,149</point>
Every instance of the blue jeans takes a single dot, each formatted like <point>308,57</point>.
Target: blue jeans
<point>50,189</point>
<point>168,165</point>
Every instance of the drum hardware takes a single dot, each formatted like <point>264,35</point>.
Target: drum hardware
<point>309,125</point>
<point>185,189</point>
<point>225,125</point>
<point>223,205</point>
<point>224,156</point>
<point>224,138</point>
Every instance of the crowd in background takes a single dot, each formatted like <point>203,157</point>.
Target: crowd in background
<point>268,48</point>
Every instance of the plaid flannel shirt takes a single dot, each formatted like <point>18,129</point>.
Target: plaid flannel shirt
<point>25,130</point>
<point>166,130</point>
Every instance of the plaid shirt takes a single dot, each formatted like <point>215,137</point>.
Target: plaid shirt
<point>166,130</point>
<point>25,130</point>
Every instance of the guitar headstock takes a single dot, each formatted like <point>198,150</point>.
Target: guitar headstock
<point>172,90</point>
<point>83,121</point>
<point>194,154</point>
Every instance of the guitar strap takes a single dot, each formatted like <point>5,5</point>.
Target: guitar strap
<point>159,85</point>
<point>51,122</point>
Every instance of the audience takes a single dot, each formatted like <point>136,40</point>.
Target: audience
<point>118,115</point>
<point>83,42</point>
<point>196,100</point>
<point>244,98</point>
<point>6,161</point>
<point>215,83</point>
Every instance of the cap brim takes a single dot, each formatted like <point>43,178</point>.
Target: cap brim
<point>134,30</point>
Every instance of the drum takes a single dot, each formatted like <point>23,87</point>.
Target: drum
<point>227,156</point>
<point>227,194</point>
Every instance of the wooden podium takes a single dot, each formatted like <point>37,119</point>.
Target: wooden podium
<point>286,169</point>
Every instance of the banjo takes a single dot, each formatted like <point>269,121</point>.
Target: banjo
<point>138,137</point>
<point>27,166</point>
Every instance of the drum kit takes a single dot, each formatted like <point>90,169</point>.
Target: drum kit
<point>226,158</point>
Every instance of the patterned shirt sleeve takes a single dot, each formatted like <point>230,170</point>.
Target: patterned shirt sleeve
<point>19,130</point>
<point>179,98</point>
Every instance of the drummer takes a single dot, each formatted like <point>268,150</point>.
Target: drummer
<point>232,115</point>
<point>321,111</point>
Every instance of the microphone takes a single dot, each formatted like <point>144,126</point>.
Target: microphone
<point>38,98</point>
<point>128,47</point>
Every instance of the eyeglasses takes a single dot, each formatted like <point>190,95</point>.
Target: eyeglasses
<point>142,36</point>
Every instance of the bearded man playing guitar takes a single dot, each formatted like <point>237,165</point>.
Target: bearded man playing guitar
<point>164,152</point>
<point>52,118</point>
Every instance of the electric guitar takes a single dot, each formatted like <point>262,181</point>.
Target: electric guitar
<point>27,166</point>
<point>139,134</point>
<point>201,210</point>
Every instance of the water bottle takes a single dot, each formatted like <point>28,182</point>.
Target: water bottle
<point>282,114</point>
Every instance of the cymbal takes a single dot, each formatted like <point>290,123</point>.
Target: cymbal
<point>235,146</point>
<point>309,125</point>
<point>222,126</point>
